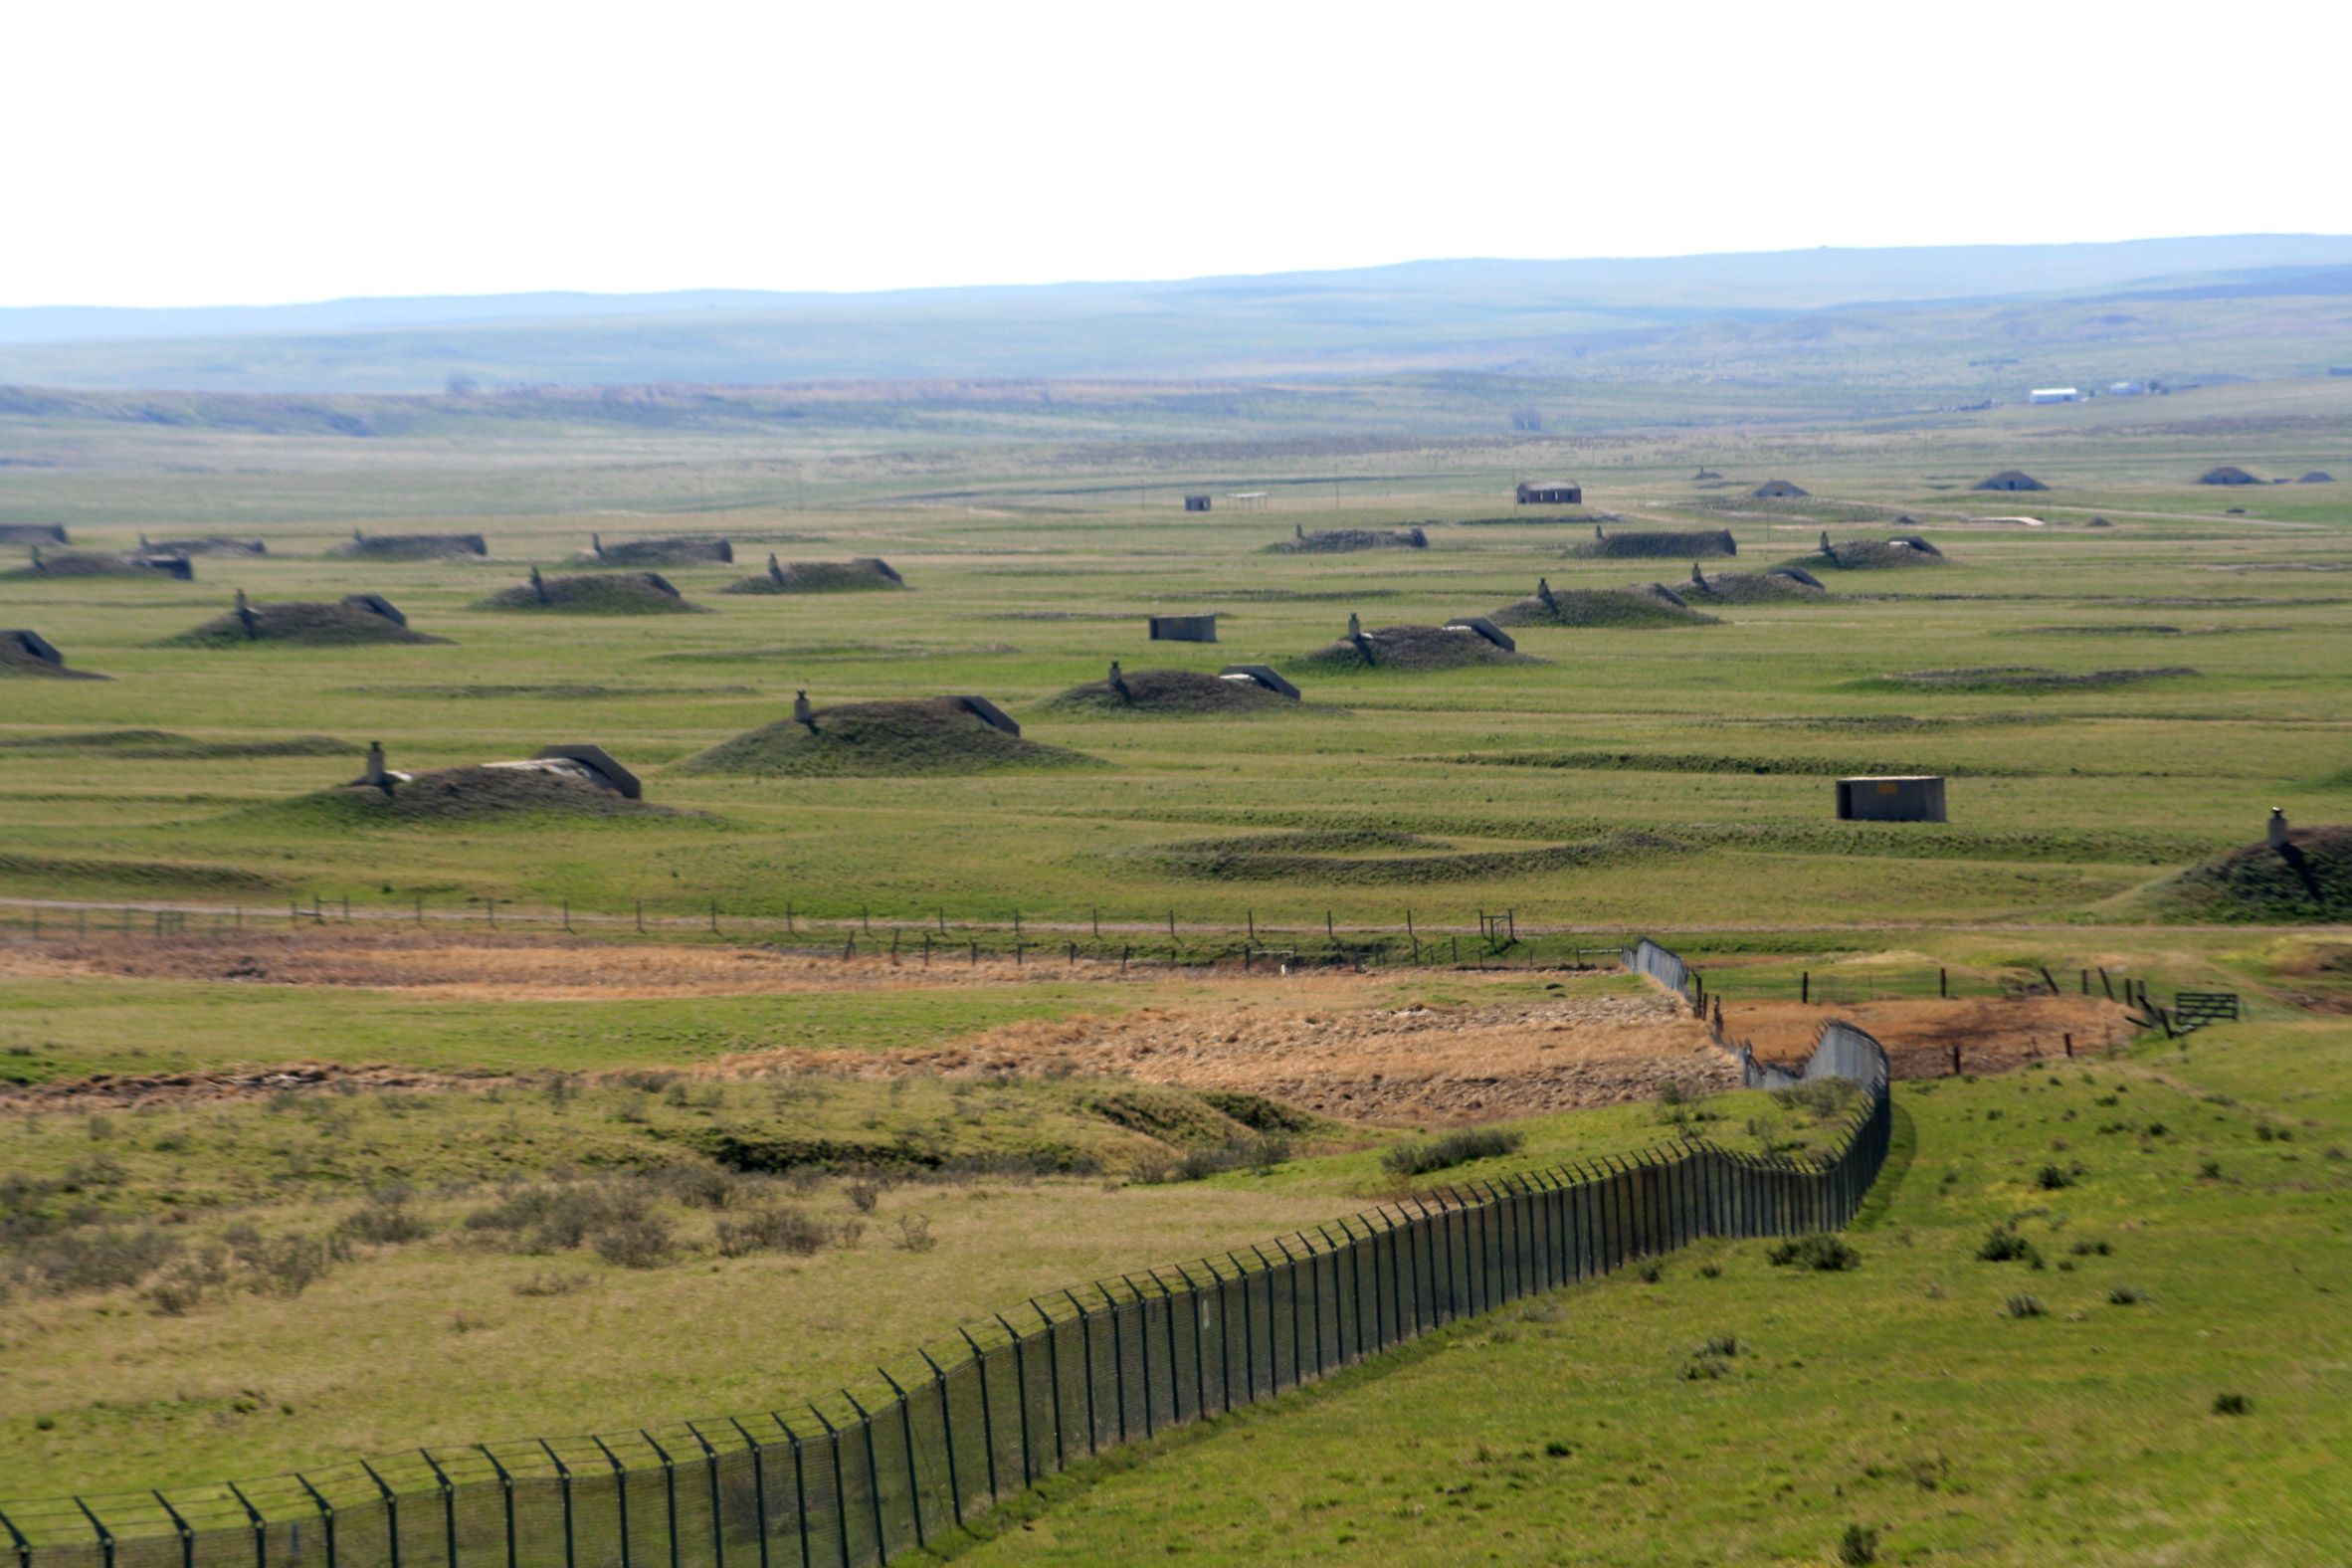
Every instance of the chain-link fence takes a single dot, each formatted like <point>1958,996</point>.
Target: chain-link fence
<point>1081,1372</point>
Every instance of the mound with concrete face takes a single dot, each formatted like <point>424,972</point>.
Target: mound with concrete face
<point>1673,544</point>
<point>866,574</point>
<point>2306,875</point>
<point>1459,644</point>
<point>654,552</point>
<point>1866,555</point>
<point>1649,606</point>
<point>1339,541</point>
<point>409,546</point>
<point>1182,693</point>
<point>45,564</point>
<point>600,593</point>
<point>918,737</point>
<point>1780,585</point>
<point>33,656</point>
<point>358,619</point>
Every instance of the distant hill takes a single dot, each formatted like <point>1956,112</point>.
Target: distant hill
<point>1704,316</point>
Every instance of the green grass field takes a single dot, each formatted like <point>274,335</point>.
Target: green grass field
<point>196,1288</point>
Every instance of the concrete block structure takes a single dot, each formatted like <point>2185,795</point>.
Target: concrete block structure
<point>1917,797</point>
<point>1262,675</point>
<point>1550,493</point>
<point>1184,629</point>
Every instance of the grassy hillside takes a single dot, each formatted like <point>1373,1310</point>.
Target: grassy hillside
<point>2143,1381</point>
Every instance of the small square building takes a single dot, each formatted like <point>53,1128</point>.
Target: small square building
<point>1913,797</point>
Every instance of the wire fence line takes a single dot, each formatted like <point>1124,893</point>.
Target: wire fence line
<point>845,1482</point>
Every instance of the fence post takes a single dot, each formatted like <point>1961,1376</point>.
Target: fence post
<point>1223,1335</point>
<point>260,1527</point>
<point>915,1485</point>
<point>955,1493</point>
<point>1054,1380</point>
<point>987,1413</point>
<point>718,1546</point>
<point>106,1536</point>
<point>24,1548</point>
<point>1020,1395</point>
<point>759,1488</point>
<point>882,1535</point>
<point>327,1513</point>
<point>669,1496</point>
<point>841,1494</point>
<point>800,1487</point>
<point>564,1480</point>
<point>619,1497</point>
<point>1168,1310</point>
<point>1086,1330</point>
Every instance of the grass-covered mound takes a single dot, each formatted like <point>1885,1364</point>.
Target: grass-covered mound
<point>206,544</point>
<point>925,735</point>
<point>1778,586</point>
<point>1678,544</point>
<point>408,547</point>
<point>1650,605</point>
<point>360,619</point>
<point>162,744</point>
<point>656,553</point>
<point>2309,877</point>
<point>76,563</point>
<point>1336,541</point>
<point>1179,694</point>
<point>1867,555</point>
<point>866,574</point>
<point>2023,678</point>
<point>462,795</point>
<point>31,655</point>
<point>1414,649</point>
<point>604,593</point>
<point>1387,859</point>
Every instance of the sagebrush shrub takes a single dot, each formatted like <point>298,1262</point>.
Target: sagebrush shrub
<point>1828,1254</point>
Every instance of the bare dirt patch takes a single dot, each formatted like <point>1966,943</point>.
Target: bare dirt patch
<point>1340,1059</point>
<point>1993,1033</point>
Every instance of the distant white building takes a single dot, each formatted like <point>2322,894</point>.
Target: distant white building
<point>2127,389</point>
<point>2054,395</point>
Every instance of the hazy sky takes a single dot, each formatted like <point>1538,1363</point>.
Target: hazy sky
<point>246,152</point>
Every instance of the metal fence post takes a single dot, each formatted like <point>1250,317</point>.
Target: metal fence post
<point>669,1497</point>
<point>719,1547</point>
<point>987,1415</point>
<point>1020,1395</point>
<point>620,1495</point>
<point>759,1486</point>
<point>915,1485</point>
<point>1142,1349</point>
<point>24,1548</point>
<point>392,1515</point>
<point>800,1486</point>
<point>1168,1317</point>
<point>1249,1331</point>
<point>840,1492</point>
<point>188,1537</point>
<point>260,1527</point>
<point>882,1536</point>
<point>106,1536</point>
<point>1223,1335</point>
<point>1086,1330</point>
<point>327,1513</point>
<point>449,1508</point>
<point>1200,1368</point>
<point>955,1493</point>
<point>1054,1379</point>
<point>1291,1268</point>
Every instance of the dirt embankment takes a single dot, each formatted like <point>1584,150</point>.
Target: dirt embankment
<point>1408,1064</point>
<point>1993,1034</point>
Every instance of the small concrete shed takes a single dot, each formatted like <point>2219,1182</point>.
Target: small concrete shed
<point>1550,493</point>
<point>1262,675</point>
<point>1195,503</point>
<point>1917,797</point>
<point>1184,629</point>
<point>33,534</point>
